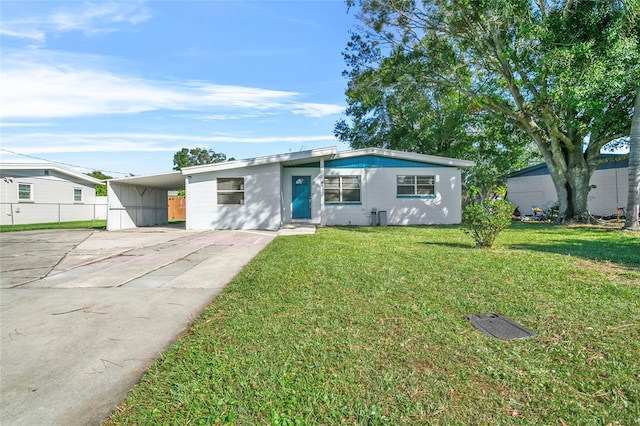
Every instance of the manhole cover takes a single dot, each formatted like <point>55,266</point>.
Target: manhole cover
<point>499,326</point>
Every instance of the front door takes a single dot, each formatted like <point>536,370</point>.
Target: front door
<point>301,197</point>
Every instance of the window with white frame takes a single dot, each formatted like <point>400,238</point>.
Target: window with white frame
<point>77,195</point>
<point>25,192</point>
<point>230,190</point>
<point>416,186</point>
<point>342,189</point>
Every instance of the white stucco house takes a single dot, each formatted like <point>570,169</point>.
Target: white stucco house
<point>44,193</point>
<point>533,187</point>
<point>320,187</point>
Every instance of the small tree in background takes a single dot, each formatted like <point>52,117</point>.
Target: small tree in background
<point>196,157</point>
<point>486,219</point>
<point>101,190</point>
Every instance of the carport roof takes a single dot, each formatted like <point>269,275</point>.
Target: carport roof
<point>170,181</point>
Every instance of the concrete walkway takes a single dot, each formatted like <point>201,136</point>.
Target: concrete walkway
<point>83,314</point>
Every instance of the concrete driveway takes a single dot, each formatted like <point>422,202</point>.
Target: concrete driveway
<point>84,313</point>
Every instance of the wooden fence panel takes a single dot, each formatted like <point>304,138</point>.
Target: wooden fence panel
<point>177,209</point>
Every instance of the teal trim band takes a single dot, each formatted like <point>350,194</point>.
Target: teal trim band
<point>372,161</point>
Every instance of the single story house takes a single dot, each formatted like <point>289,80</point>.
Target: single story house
<point>321,187</point>
<point>44,192</point>
<point>533,187</point>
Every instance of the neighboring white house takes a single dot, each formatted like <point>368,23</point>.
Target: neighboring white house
<point>533,187</point>
<point>42,193</point>
<point>322,187</point>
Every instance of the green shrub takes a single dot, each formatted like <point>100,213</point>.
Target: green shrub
<point>485,220</point>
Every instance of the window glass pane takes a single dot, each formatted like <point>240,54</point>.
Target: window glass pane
<point>351,195</point>
<point>350,182</point>
<point>406,190</point>
<point>332,196</point>
<point>230,197</point>
<point>24,191</point>
<point>77,194</point>
<point>230,184</point>
<point>425,190</point>
<point>332,183</point>
<point>425,180</point>
<point>406,180</point>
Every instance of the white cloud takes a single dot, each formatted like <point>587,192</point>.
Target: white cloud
<point>55,143</point>
<point>35,87</point>
<point>317,110</point>
<point>89,18</point>
<point>24,124</point>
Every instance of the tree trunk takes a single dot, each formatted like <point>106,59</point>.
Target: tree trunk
<point>572,187</point>
<point>633,200</point>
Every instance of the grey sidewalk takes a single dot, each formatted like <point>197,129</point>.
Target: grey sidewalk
<point>79,330</point>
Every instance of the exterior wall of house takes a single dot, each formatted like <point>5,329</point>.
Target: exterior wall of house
<point>261,208</point>
<point>132,206</point>
<point>379,191</point>
<point>527,192</point>
<point>611,190</point>
<point>52,198</point>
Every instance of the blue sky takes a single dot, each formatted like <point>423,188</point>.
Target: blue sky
<point>121,86</point>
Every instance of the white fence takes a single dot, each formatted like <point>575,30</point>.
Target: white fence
<point>27,213</point>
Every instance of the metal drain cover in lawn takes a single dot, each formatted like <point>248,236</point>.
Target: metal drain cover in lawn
<point>499,326</point>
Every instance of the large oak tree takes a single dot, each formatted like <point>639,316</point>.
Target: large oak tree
<point>561,72</point>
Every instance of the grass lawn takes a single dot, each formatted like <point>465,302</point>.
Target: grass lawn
<point>89,224</point>
<point>366,326</point>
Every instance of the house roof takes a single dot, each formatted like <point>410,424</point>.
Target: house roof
<point>304,157</point>
<point>615,162</point>
<point>288,159</point>
<point>8,167</point>
<point>176,180</point>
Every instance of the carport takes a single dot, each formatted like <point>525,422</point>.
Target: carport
<point>138,201</point>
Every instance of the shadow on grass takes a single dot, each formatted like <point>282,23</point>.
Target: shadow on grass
<point>625,253</point>
<point>450,245</point>
<point>400,228</point>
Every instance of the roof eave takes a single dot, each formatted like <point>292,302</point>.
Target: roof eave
<point>288,158</point>
<point>45,166</point>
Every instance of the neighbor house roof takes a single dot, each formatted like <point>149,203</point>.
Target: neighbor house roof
<point>615,162</point>
<point>6,168</point>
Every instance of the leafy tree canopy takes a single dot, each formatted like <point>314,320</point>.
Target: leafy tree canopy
<point>438,75</point>
<point>101,189</point>
<point>196,157</point>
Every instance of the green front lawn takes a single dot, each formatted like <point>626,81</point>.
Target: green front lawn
<point>366,326</point>
<point>83,224</point>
